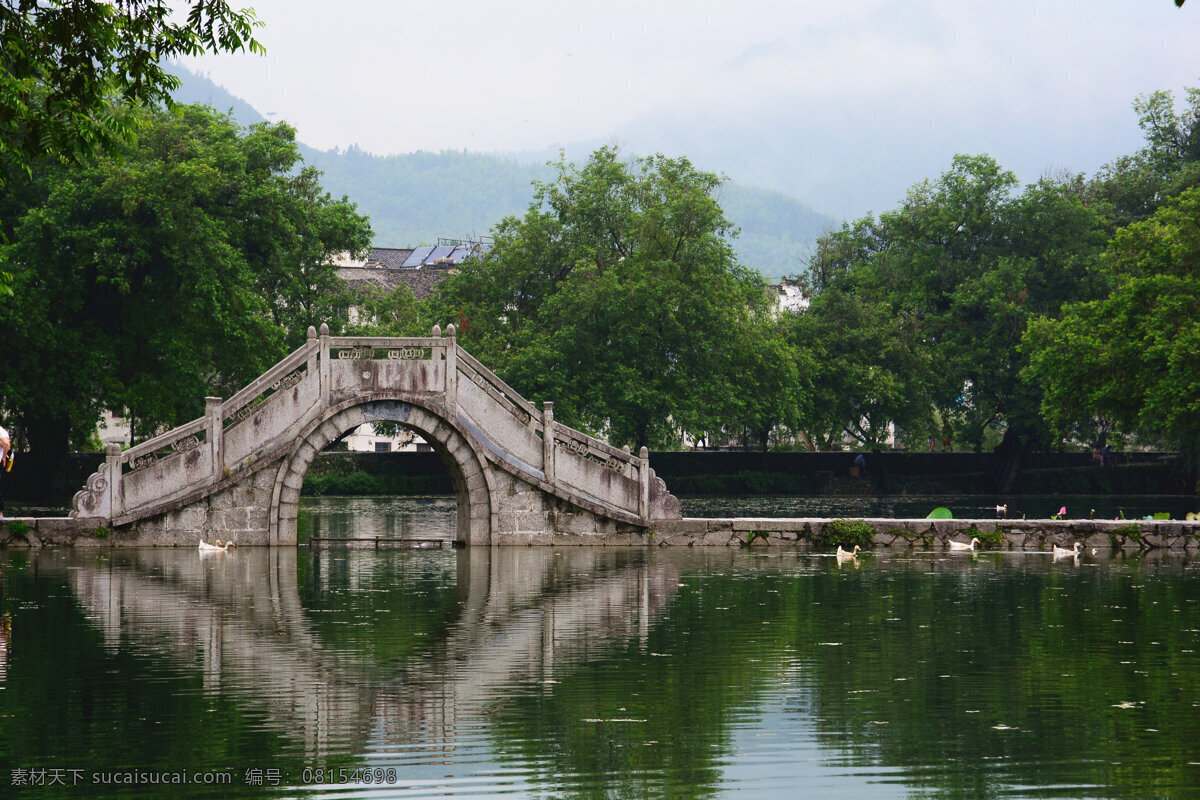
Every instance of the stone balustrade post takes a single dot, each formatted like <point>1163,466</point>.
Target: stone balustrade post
<point>216,435</point>
<point>326,370</point>
<point>644,483</point>
<point>452,370</point>
<point>314,351</point>
<point>548,441</point>
<point>112,457</point>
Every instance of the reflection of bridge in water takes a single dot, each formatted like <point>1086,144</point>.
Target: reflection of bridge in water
<point>239,617</point>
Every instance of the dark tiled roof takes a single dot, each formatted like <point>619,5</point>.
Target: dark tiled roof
<point>422,281</point>
<point>382,270</point>
<point>391,257</point>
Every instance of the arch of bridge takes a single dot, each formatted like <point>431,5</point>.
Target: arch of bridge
<point>472,480</point>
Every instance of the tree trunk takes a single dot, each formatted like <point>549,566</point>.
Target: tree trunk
<point>49,442</point>
<point>1010,457</point>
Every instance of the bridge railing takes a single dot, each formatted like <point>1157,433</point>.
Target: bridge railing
<point>566,457</point>
<point>265,409</point>
<point>202,451</point>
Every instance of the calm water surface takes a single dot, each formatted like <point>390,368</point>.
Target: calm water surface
<point>594,673</point>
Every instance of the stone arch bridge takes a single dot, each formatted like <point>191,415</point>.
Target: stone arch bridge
<point>236,473</point>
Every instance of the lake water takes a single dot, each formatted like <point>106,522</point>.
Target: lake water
<point>593,673</point>
<point>434,517</point>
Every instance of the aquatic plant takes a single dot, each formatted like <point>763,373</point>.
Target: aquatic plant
<point>992,538</point>
<point>1131,531</point>
<point>845,532</point>
<point>754,535</point>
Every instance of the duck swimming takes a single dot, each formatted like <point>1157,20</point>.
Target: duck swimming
<point>846,555</point>
<point>1062,552</point>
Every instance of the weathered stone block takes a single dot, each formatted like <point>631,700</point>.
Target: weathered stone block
<point>288,494</point>
<point>669,527</point>
<point>718,538</point>
<point>533,522</point>
<point>67,525</point>
<point>294,480</point>
<point>578,523</point>
<point>1015,539</point>
<point>221,501</point>
<point>514,502</point>
<point>944,528</point>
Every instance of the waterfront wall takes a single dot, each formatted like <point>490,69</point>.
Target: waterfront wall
<point>737,472</point>
<point>1024,535</point>
<point>1013,534</point>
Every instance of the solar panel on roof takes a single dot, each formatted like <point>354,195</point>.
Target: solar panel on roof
<point>441,251</point>
<point>418,257</point>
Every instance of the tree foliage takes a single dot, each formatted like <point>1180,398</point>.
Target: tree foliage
<point>917,315</point>
<point>1132,187</point>
<point>179,269</point>
<point>73,71</point>
<point>1133,356</point>
<point>619,296</point>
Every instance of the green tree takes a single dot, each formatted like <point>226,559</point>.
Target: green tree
<point>1131,187</point>
<point>927,304</point>
<point>618,296</point>
<point>379,312</point>
<point>776,379</point>
<point>179,269</point>
<point>869,370</point>
<point>1132,357</point>
<point>72,71</point>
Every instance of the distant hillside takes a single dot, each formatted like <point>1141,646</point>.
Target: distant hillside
<point>414,198</point>
<point>199,90</point>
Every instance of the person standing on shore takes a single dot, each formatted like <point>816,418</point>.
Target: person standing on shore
<point>5,461</point>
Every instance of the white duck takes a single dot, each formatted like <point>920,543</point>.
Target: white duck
<point>204,546</point>
<point>963,545</point>
<point>1062,552</point>
<point>846,555</point>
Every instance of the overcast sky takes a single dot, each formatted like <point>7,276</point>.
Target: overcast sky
<point>895,85</point>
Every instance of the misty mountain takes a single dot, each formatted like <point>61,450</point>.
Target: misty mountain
<point>414,198</point>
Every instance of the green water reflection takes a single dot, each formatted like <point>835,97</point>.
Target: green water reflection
<point>600,673</point>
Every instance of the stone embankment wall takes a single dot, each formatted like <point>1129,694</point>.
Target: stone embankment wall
<point>1132,535</point>
<point>1022,534</point>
